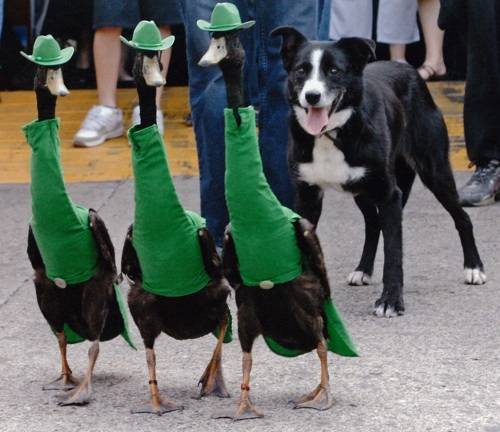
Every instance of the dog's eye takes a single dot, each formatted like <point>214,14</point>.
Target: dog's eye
<point>300,71</point>
<point>332,71</point>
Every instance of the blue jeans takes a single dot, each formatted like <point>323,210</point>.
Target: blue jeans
<point>265,85</point>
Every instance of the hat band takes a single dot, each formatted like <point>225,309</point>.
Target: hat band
<point>45,59</point>
<point>215,26</point>
<point>148,44</point>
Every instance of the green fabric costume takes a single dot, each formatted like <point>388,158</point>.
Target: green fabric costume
<point>262,229</point>
<point>61,228</point>
<point>260,226</point>
<point>165,235</point>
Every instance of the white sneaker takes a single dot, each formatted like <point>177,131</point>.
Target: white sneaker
<point>136,118</point>
<point>100,124</point>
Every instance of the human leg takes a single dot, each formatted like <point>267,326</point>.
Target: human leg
<point>273,105</point>
<point>433,66</point>
<point>481,109</point>
<point>207,96</point>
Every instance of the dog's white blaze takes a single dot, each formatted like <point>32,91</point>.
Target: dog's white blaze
<point>314,84</point>
<point>328,167</point>
<point>215,53</point>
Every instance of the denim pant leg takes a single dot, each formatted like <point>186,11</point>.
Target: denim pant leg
<point>208,99</point>
<point>273,104</point>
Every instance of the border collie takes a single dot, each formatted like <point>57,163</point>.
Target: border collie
<point>368,129</point>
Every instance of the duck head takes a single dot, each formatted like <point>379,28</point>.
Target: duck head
<point>51,79</point>
<point>225,48</point>
<point>147,68</point>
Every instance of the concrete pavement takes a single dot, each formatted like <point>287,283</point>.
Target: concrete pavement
<point>435,369</point>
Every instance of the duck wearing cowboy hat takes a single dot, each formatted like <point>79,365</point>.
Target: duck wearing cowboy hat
<point>169,257</point>
<point>68,245</point>
<point>272,257</point>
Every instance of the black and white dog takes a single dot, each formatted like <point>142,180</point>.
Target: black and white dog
<point>367,129</point>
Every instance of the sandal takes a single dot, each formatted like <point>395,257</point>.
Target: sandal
<point>432,75</point>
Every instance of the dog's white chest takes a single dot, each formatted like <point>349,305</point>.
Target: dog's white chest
<point>328,167</point>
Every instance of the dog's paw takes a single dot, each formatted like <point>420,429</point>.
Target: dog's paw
<point>474,276</point>
<point>358,278</point>
<point>388,308</point>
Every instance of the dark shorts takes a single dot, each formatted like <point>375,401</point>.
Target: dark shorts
<point>127,13</point>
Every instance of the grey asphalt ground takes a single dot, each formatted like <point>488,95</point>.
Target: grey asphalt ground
<point>435,369</point>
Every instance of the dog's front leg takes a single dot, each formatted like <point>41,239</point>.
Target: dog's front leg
<point>391,303</point>
<point>364,270</point>
<point>309,201</point>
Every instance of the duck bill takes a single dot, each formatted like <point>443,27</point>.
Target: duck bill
<point>55,82</point>
<point>151,71</point>
<point>215,53</point>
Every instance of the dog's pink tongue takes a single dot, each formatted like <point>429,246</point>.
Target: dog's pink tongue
<point>317,120</point>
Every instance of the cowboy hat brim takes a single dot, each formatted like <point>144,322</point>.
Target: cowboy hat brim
<point>207,26</point>
<point>64,57</point>
<point>163,45</point>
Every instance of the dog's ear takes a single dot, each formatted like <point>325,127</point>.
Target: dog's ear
<point>359,50</point>
<point>292,40</point>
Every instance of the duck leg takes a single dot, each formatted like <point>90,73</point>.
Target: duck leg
<point>81,395</point>
<point>320,398</point>
<point>65,381</point>
<point>246,409</point>
<point>212,380</point>
<point>157,405</point>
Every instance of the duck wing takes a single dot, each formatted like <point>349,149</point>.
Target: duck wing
<point>211,259</point>
<point>230,265</point>
<point>103,241</point>
<point>311,249</point>
<point>34,254</point>
<point>130,261</point>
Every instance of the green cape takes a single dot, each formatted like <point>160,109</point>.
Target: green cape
<point>61,228</point>
<point>165,235</point>
<point>262,229</point>
<point>263,235</point>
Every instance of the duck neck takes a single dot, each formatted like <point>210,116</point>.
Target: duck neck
<point>232,71</point>
<point>45,101</point>
<point>146,93</point>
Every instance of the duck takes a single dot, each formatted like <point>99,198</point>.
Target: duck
<point>69,246</point>
<point>169,257</point>
<point>271,256</point>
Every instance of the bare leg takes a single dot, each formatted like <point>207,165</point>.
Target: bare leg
<point>428,11</point>
<point>398,52</point>
<point>212,380</point>
<point>320,398</point>
<point>165,61</point>
<point>107,53</point>
<point>122,73</point>
<point>246,409</point>
<point>81,395</point>
<point>83,59</point>
<point>65,380</point>
<point>157,405</point>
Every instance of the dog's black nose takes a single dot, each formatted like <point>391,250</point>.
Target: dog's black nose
<point>313,97</point>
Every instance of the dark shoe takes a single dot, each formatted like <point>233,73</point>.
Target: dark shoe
<point>483,187</point>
